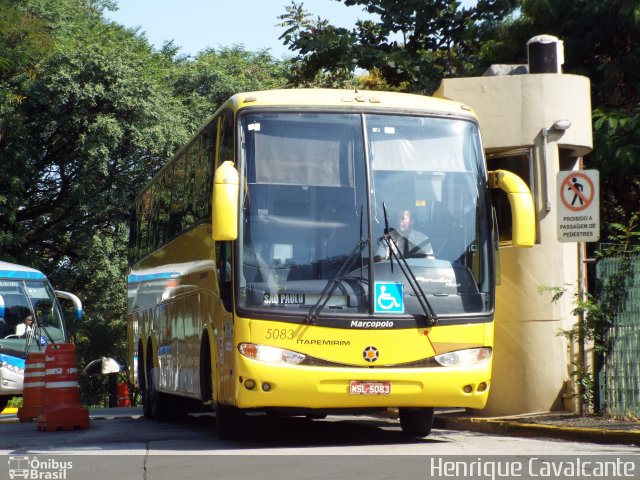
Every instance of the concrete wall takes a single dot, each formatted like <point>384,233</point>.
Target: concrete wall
<point>531,362</point>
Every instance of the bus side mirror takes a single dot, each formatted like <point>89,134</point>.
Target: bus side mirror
<point>224,221</point>
<point>77,304</point>
<point>496,248</point>
<point>523,217</point>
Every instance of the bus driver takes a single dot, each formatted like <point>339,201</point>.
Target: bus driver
<point>410,242</point>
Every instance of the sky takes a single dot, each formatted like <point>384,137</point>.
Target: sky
<point>194,25</point>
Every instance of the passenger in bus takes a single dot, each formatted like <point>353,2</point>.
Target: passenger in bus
<point>410,242</point>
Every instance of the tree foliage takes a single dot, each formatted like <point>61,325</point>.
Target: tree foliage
<point>24,40</point>
<point>415,44</point>
<point>213,76</point>
<point>94,122</point>
<point>601,41</point>
<point>412,46</point>
<point>100,111</point>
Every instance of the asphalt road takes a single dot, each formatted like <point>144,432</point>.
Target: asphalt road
<point>122,445</point>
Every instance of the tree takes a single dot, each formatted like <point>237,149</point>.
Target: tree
<point>93,125</point>
<point>101,116</point>
<point>414,44</point>
<point>25,40</point>
<point>208,80</point>
<point>601,41</point>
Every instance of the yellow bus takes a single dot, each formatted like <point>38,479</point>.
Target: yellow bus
<point>314,252</point>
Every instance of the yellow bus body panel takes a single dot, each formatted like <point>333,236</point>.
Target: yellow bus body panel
<point>313,387</point>
<point>346,346</point>
<point>310,97</point>
<point>318,387</point>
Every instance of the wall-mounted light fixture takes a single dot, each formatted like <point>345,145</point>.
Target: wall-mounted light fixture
<point>561,125</point>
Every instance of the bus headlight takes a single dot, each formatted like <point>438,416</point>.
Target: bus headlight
<point>461,358</point>
<point>265,353</point>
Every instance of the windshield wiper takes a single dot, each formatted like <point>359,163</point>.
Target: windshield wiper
<point>333,283</point>
<point>394,252</point>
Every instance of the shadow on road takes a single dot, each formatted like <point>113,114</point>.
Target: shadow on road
<point>118,432</point>
<point>272,431</point>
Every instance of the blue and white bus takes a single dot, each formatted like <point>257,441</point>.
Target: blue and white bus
<point>30,318</point>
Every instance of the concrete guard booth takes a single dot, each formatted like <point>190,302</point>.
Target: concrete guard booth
<point>533,124</point>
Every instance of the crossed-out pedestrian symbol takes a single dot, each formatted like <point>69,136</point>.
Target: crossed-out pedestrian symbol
<point>577,191</point>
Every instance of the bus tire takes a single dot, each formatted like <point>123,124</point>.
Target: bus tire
<point>159,403</point>
<point>153,405</point>
<point>143,381</point>
<point>228,422</point>
<point>146,405</point>
<point>206,379</point>
<point>416,422</point>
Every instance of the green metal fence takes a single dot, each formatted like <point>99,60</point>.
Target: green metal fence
<point>620,369</point>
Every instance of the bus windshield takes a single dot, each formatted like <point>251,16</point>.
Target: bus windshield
<point>319,190</point>
<point>29,315</point>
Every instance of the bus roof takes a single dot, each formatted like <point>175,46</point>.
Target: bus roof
<point>327,98</point>
<point>358,100</point>
<point>19,272</point>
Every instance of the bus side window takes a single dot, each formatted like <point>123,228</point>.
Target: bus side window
<point>223,271</point>
<point>225,142</point>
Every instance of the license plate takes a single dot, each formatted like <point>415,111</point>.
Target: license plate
<point>357,387</point>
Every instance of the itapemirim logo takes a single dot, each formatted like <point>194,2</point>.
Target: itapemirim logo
<point>33,468</point>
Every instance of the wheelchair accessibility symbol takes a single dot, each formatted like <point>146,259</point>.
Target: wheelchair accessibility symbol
<point>389,298</point>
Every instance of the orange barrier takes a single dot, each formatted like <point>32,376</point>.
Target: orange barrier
<point>124,400</point>
<point>62,409</point>
<point>33,387</point>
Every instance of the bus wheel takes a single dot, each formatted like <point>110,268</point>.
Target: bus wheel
<point>146,405</point>
<point>143,379</point>
<point>153,406</point>
<point>228,422</point>
<point>159,404</point>
<point>416,422</point>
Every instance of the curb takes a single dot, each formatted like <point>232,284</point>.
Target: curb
<point>522,429</point>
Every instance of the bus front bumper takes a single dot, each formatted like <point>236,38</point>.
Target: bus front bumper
<point>262,385</point>
<point>11,381</point>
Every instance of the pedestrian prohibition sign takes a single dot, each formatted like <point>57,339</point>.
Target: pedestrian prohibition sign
<point>578,206</point>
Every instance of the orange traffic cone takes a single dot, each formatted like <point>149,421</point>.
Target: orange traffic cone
<point>62,409</point>
<point>32,387</point>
